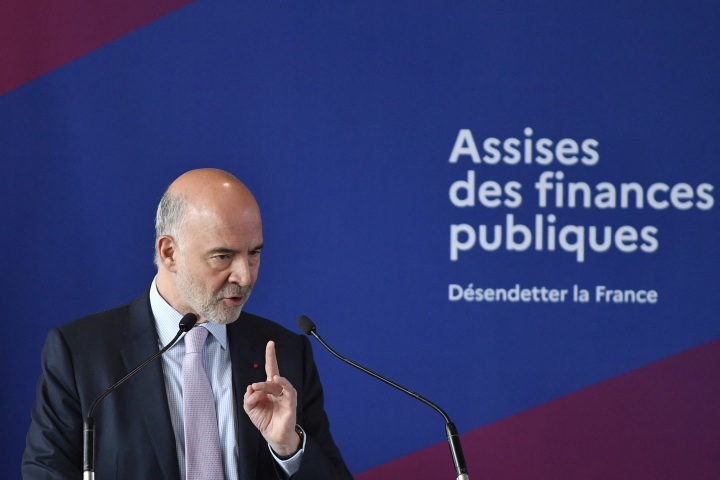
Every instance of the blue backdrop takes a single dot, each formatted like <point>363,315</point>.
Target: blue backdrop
<point>341,118</point>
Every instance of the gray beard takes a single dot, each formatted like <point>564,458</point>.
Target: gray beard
<point>209,305</point>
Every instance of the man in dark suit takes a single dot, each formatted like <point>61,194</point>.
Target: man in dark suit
<point>266,426</point>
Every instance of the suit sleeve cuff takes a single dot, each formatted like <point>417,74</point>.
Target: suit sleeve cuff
<point>291,465</point>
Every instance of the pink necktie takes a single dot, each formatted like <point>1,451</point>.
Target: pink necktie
<point>203,460</point>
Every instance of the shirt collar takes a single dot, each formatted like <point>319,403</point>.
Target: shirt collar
<point>167,320</point>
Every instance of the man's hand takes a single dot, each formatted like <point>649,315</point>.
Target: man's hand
<point>271,405</point>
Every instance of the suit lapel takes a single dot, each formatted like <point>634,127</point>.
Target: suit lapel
<point>248,366</point>
<point>140,341</point>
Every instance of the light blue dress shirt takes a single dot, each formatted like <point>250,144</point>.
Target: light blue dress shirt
<point>216,361</point>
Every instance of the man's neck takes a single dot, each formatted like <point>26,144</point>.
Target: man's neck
<point>167,289</point>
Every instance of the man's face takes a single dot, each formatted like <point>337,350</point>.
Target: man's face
<point>219,261</point>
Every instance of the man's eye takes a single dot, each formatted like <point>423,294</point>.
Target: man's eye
<point>221,257</point>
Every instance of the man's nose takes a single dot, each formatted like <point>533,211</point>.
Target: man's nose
<point>241,272</point>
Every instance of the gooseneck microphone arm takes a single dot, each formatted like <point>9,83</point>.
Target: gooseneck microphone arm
<point>308,328</point>
<point>187,322</point>
<point>314,333</point>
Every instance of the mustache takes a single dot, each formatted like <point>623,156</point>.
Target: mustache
<point>234,291</point>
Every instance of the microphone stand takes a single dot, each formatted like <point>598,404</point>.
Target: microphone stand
<point>308,327</point>
<point>187,322</point>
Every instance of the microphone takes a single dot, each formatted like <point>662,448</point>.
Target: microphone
<point>187,322</point>
<point>308,328</point>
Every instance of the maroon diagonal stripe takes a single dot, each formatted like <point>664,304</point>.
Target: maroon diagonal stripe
<point>658,422</point>
<point>37,36</point>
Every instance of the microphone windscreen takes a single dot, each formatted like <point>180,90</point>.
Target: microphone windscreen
<point>305,324</point>
<point>188,321</point>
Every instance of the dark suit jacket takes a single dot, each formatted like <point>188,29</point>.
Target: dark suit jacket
<point>134,435</point>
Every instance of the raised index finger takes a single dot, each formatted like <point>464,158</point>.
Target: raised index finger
<point>271,366</point>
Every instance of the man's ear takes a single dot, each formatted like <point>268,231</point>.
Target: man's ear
<point>168,252</point>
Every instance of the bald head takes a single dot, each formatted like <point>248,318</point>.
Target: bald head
<point>208,242</point>
<point>198,194</point>
<point>209,188</point>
